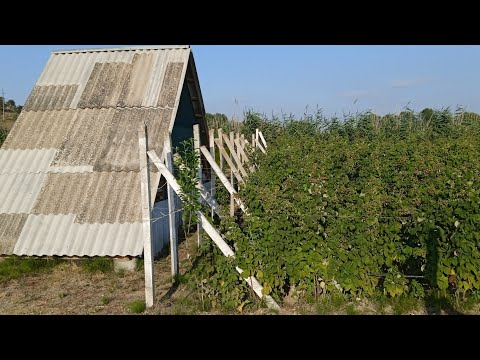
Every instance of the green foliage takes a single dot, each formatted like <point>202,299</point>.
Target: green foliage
<point>216,282</point>
<point>186,164</point>
<point>214,278</point>
<point>3,135</point>
<point>252,120</point>
<point>137,306</point>
<point>343,201</point>
<point>15,267</point>
<point>98,264</point>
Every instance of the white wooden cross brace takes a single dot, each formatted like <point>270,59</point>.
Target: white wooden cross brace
<point>203,192</point>
<point>262,138</point>
<point>229,161</point>
<point>234,155</point>
<point>222,177</point>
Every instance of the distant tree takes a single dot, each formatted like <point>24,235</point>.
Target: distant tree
<point>19,108</point>
<point>10,106</point>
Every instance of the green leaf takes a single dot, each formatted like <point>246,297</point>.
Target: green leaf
<point>442,282</point>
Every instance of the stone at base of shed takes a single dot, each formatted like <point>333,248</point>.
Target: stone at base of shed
<point>124,264</point>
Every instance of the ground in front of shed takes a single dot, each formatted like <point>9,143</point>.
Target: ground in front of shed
<point>74,288</point>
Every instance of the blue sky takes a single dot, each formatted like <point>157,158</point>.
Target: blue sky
<point>289,79</point>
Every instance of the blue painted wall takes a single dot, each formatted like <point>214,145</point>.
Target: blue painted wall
<point>183,127</point>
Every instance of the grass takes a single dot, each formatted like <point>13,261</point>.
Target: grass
<point>97,264</point>
<point>438,303</point>
<point>350,309</point>
<point>330,303</point>
<point>471,302</point>
<point>334,303</point>
<point>404,305</point>
<point>137,306</point>
<point>105,300</point>
<point>140,265</point>
<point>15,267</point>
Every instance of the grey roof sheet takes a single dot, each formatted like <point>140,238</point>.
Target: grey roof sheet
<point>69,173</point>
<point>48,235</point>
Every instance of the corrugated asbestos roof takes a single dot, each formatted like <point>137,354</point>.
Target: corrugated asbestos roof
<point>69,169</point>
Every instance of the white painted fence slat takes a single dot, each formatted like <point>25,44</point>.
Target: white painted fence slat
<point>234,155</point>
<point>261,147</point>
<point>146,217</point>
<point>244,156</point>
<point>211,139</point>
<point>203,191</point>
<point>263,139</point>
<point>229,161</point>
<point>222,177</point>
<point>196,141</point>
<point>172,224</point>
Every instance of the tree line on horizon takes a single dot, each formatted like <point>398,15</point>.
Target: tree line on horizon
<point>10,105</point>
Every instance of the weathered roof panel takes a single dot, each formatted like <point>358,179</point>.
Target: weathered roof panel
<point>48,235</point>
<point>51,97</point>
<point>69,169</point>
<point>97,197</point>
<point>11,226</point>
<point>40,129</point>
<point>126,78</point>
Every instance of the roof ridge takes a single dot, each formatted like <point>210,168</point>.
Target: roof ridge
<point>128,48</point>
<point>105,108</point>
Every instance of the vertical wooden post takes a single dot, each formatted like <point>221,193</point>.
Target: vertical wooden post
<point>212,173</point>
<point>242,142</point>
<point>237,137</point>
<point>253,142</point>
<point>172,223</point>
<point>196,142</point>
<point>232,182</point>
<point>146,217</point>
<point>220,138</point>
